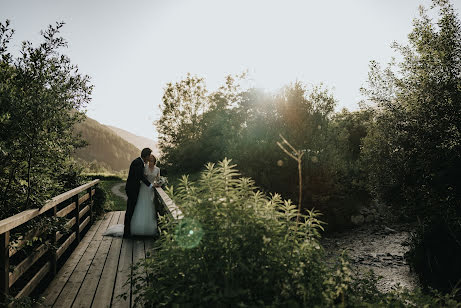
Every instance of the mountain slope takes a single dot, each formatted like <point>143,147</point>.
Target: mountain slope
<point>105,148</point>
<point>138,141</point>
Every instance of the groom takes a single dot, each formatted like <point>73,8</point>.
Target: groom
<point>135,176</point>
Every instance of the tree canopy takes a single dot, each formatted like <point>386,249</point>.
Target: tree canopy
<point>42,96</point>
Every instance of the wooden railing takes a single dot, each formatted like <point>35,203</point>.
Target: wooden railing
<point>164,203</point>
<point>76,205</point>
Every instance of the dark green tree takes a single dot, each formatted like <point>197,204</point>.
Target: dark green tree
<point>183,106</point>
<point>413,150</point>
<point>42,96</point>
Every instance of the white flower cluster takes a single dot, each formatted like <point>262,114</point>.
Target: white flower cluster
<point>162,181</point>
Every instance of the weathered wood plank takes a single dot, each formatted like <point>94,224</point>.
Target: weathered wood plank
<point>89,286</point>
<point>83,211</point>
<point>83,198</point>
<point>68,225</point>
<point>18,219</point>
<point>83,224</point>
<point>33,283</point>
<point>65,245</point>
<point>66,210</point>
<point>56,286</point>
<point>123,275</point>
<point>68,293</point>
<point>25,264</point>
<point>170,206</point>
<point>105,289</point>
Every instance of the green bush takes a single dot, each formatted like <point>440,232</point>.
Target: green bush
<point>100,199</point>
<point>236,246</point>
<point>435,254</point>
<point>412,150</point>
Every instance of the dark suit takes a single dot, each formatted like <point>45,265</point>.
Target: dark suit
<point>135,176</point>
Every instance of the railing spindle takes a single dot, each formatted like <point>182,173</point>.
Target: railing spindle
<point>54,241</point>
<point>77,217</point>
<point>5,266</point>
<point>89,190</point>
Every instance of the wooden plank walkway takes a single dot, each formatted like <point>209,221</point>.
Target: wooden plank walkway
<point>97,271</point>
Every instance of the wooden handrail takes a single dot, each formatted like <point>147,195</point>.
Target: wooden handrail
<point>170,207</point>
<point>78,223</point>
<point>23,217</point>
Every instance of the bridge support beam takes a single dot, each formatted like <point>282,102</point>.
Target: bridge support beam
<point>4,267</point>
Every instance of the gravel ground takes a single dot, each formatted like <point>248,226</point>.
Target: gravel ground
<point>378,248</point>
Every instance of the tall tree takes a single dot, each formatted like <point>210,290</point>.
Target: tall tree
<point>414,150</point>
<point>183,105</point>
<point>42,96</point>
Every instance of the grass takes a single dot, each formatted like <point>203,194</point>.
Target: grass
<point>113,202</point>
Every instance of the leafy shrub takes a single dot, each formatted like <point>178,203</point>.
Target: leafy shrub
<point>238,247</point>
<point>100,199</point>
<point>235,246</point>
<point>412,150</point>
<point>435,254</point>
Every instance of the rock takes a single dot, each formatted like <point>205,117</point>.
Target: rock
<point>389,230</point>
<point>370,218</point>
<point>358,219</point>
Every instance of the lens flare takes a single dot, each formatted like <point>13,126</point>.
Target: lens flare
<point>188,233</point>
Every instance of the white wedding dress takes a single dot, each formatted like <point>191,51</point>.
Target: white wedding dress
<point>143,221</point>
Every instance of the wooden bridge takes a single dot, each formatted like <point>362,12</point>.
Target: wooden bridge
<point>86,269</point>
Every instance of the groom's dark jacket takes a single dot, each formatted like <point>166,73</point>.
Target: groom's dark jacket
<point>135,176</point>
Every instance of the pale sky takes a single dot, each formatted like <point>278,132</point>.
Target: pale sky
<point>131,49</point>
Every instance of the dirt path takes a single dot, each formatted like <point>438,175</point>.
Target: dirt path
<point>117,191</point>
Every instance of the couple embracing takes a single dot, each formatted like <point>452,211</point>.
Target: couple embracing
<point>140,215</point>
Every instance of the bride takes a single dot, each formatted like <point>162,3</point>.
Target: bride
<point>143,221</point>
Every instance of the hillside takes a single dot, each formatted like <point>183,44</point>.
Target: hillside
<point>138,141</point>
<point>105,149</point>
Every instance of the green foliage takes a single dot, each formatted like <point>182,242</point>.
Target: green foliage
<point>100,199</point>
<point>183,105</point>
<point>363,292</point>
<point>42,95</point>
<point>111,201</point>
<point>434,254</point>
<point>413,149</point>
<point>246,123</point>
<point>241,247</point>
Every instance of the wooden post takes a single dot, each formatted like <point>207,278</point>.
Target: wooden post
<point>5,267</point>
<point>89,190</point>
<point>54,242</point>
<point>77,216</point>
